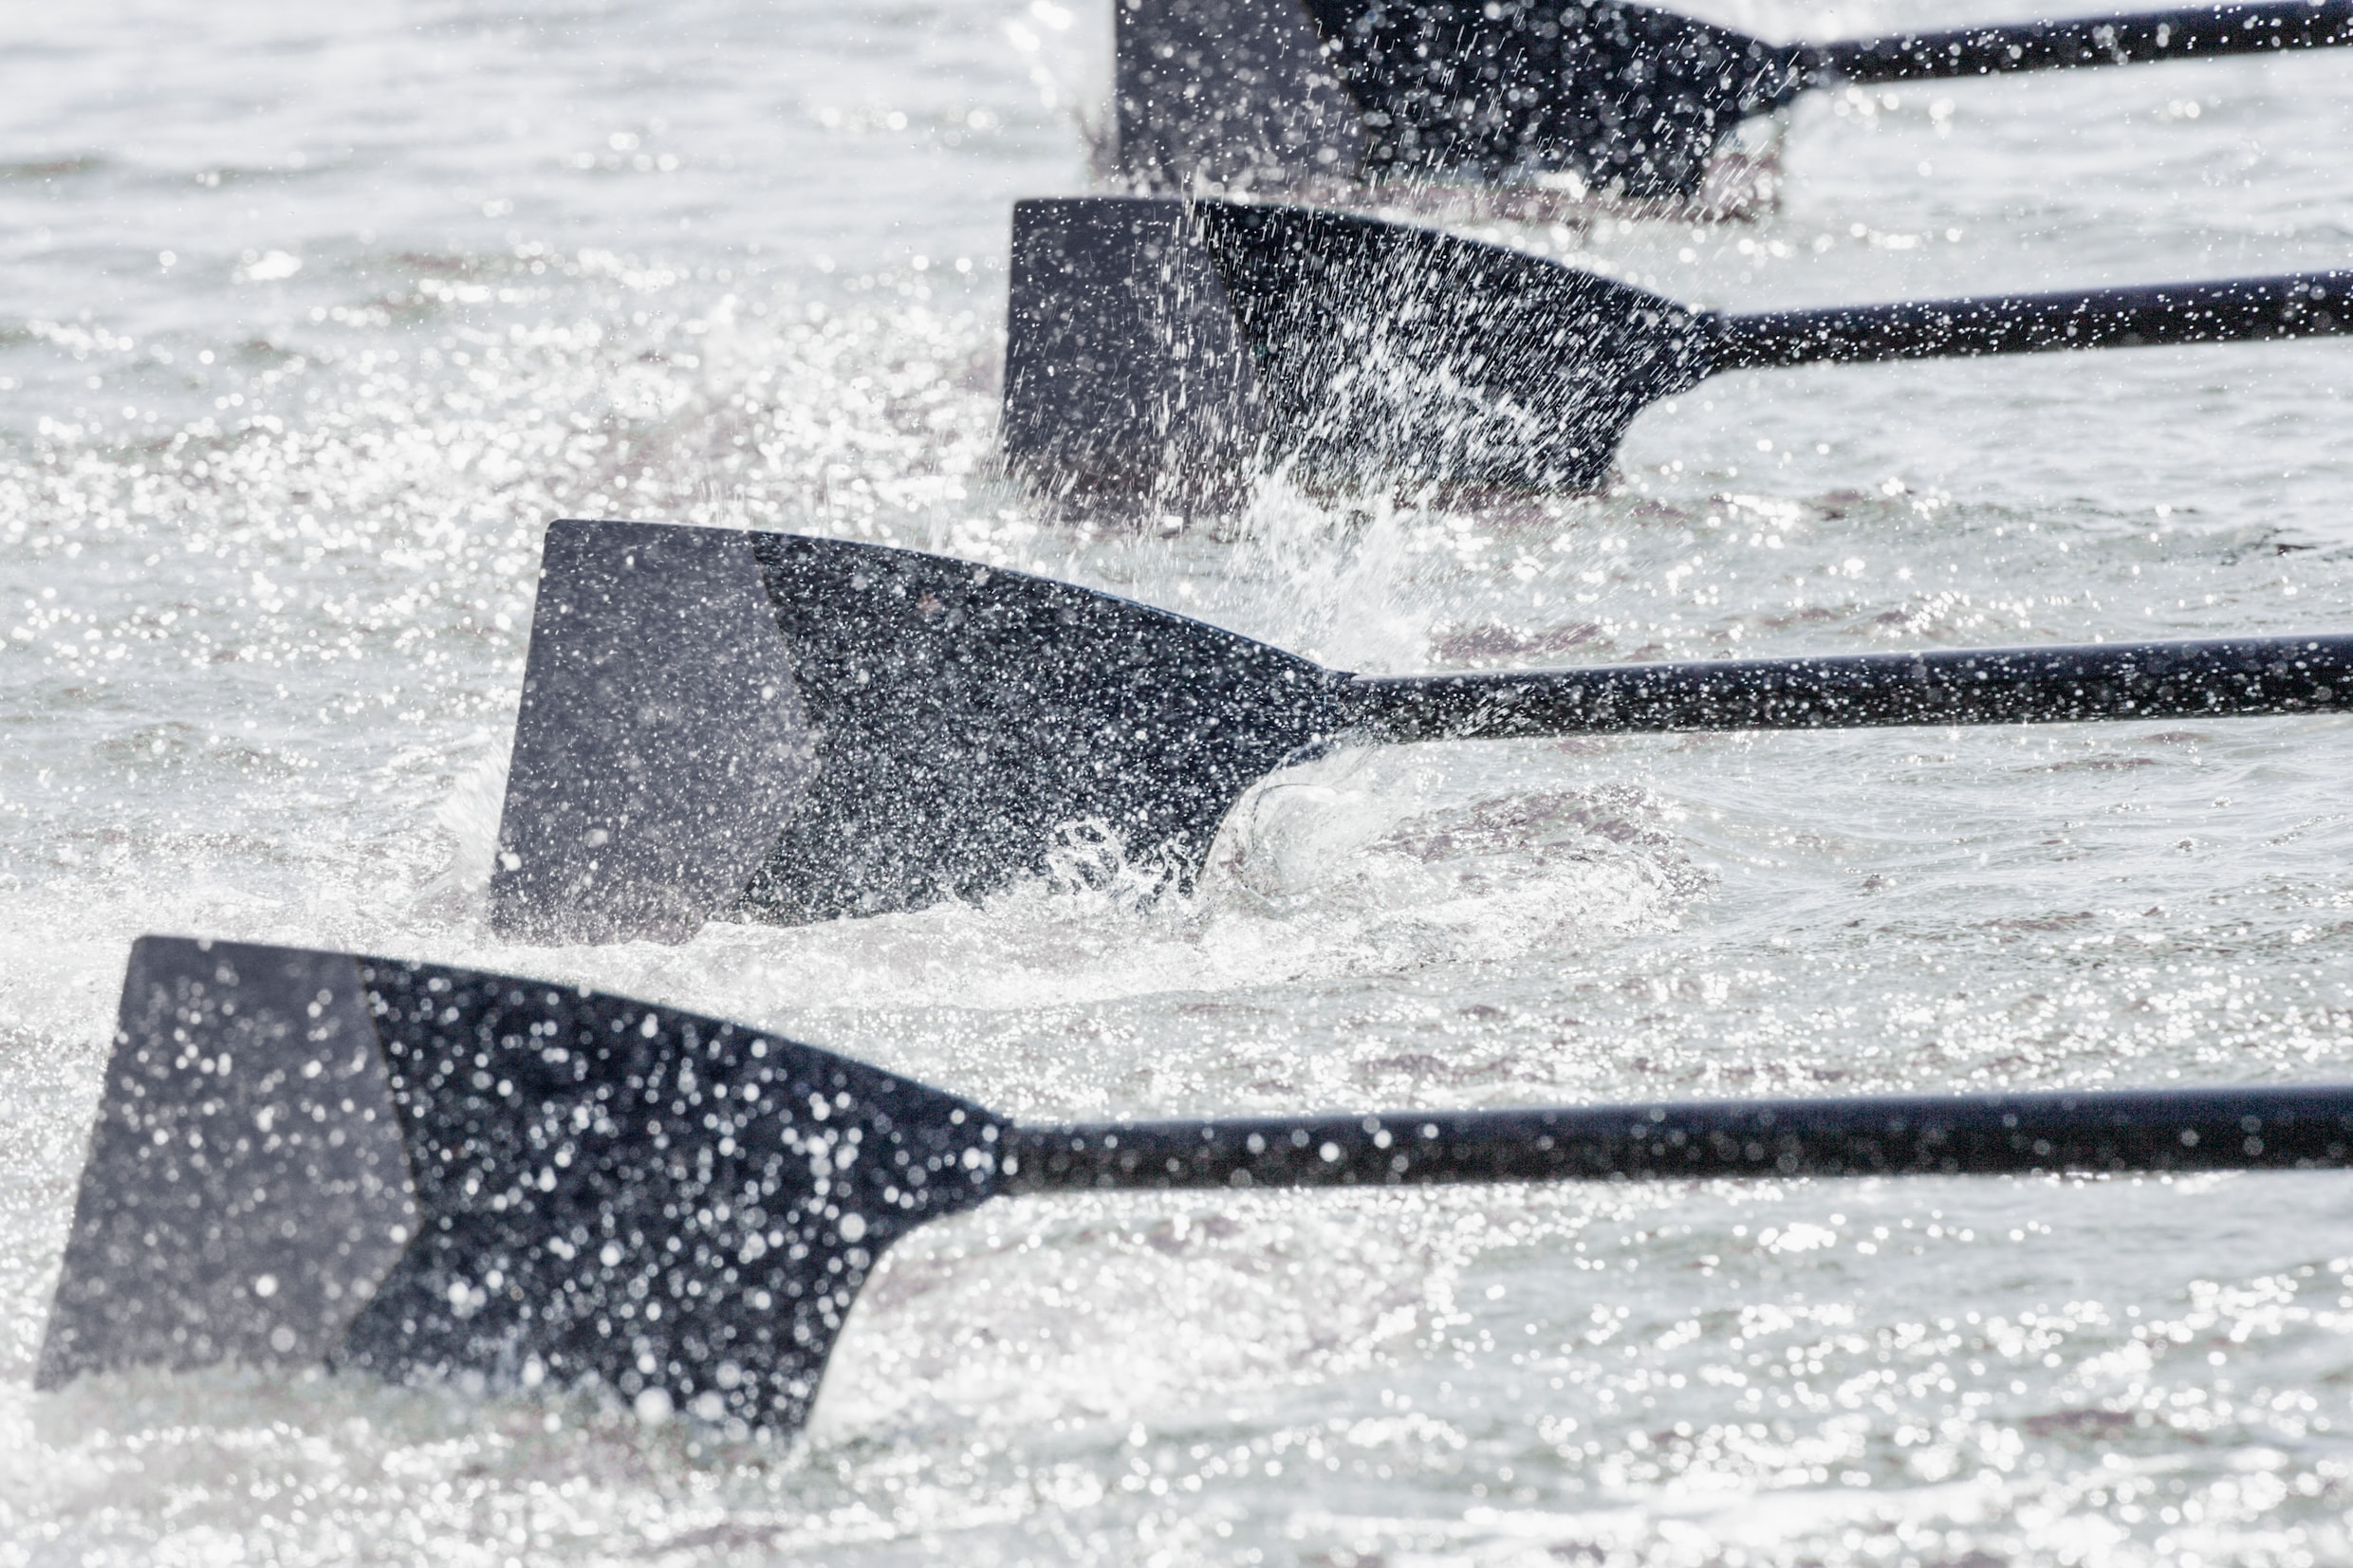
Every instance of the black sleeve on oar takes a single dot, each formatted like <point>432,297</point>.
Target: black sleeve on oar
<point>2302,304</point>
<point>2145,680</point>
<point>2165,1129</point>
<point>2198,33</point>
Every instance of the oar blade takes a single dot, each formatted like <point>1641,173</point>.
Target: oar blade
<point>857,729</point>
<point>660,747</point>
<point>1633,99</point>
<point>429,1173</point>
<point>1391,356</point>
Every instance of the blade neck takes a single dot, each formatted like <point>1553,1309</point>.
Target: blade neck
<point>2303,305</point>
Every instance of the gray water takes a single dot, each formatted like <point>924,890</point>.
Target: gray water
<point>312,318</point>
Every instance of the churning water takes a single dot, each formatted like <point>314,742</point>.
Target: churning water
<point>312,317</point>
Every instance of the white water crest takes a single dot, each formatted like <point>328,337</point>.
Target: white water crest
<point>312,319</point>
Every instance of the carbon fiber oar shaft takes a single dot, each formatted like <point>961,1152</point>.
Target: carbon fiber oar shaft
<point>2234,676</point>
<point>2160,1130</point>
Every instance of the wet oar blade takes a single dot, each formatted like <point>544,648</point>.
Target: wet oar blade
<point>1164,357</point>
<point>429,1173</point>
<point>930,728</point>
<point>971,727</point>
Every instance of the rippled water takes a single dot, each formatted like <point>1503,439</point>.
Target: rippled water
<point>310,321</point>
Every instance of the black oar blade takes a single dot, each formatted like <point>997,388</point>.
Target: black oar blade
<point>660,747</point>
<point>799,729</point>
<point>1391,356</point>
<point>429,1173</point>
<point>1633,100</point>
<point>976,722</point>
<point>247,1187</point>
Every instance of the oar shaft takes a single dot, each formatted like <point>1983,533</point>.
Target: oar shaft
<point>2145,680</point>
<point>2300,305</point>
<point>2223,1129</point>
<point>2196,33</point>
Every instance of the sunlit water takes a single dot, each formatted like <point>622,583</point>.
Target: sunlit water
<point>312,318</point>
